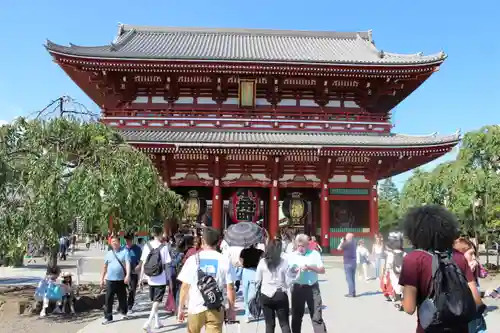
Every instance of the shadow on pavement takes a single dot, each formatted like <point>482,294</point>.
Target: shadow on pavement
<point>20,280</point>
<point>44,266</point>
<point>369,293</point>
<point>491,308</point>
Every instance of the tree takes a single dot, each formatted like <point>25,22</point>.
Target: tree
<point>388,205</point>
<point>55,170</point>
<point>468,186</point>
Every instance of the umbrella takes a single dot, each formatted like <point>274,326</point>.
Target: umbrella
<point>244,234</point>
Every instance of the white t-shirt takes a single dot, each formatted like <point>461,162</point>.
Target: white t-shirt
<point>361,253</point>
<point>211,262</point>
<point>224,246</point>
<point>160,280</point>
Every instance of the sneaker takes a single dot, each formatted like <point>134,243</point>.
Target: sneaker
<point>43,314</point>
<point>146,328</point>
<point>107,321</point>
<point>130,312</point>
<point>158,326</point>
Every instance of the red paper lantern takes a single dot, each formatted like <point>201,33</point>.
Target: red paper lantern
<point>244,206</point>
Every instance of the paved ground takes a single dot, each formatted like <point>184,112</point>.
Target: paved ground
<point>367,313</point>
<point>91,263</point>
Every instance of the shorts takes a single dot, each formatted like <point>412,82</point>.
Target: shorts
<point>156,293</point>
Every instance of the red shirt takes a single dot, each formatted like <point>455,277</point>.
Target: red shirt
<point>313,246</point>
<point>417,272</point>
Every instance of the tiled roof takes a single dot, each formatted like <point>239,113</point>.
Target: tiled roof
<point>251,45</point>
<point>322,139</point>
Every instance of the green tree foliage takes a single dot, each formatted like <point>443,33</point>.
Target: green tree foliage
<point>54,171</point>
<point>388,205</point>
<point>468,186</point>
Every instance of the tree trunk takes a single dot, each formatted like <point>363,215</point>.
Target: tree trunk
<point>52,260</point>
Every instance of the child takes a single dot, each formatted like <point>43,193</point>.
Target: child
<point>68,300</point>
<point>393,265</point>
<point>362,258</point>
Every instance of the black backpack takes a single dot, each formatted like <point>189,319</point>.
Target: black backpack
<point>398,262</point>
<point>154,264</point>
<point>450,303</point>
<point>209,289</point>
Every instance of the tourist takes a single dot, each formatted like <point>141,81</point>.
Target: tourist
<point>212,264</point>
<point>348,245</point>
<point>177,253</point>
<point>378,254</point>
<point>305,289</point>
<point>68,299</point>
<point>314,246</point>
<point>140,243</point>
<point>135,253</point>
<point>362,259</point>
<point>42,292</point>
<point>468,248</point>
<point>272,276</point>
<point>249,259</point>
<point>88,240</point>
<point>392,269</point>
<point>115,276</point>
<point>154,252</point>
<point>432,231</point>
<point>62,248</point>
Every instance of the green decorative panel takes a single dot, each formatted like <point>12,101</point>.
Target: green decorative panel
<point>349,191</point>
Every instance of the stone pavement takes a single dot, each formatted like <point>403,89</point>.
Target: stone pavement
<point>91,264</point>
<point>367,313</point>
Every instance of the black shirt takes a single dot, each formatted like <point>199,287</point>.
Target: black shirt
<point>251,257</point>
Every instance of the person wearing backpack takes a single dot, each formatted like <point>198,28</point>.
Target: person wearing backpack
<point>155,266</point>
<point>437,280</point>
<point>392,269</point>
<point>204,277</point>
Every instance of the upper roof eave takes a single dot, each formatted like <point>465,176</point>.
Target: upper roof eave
<point>170,44</point>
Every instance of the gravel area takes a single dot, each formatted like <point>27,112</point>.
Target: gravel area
<point>12,322</point>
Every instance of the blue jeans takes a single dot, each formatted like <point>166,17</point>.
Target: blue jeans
<point>248,287</point>
<point>378,263</point>
<point>350,276</point>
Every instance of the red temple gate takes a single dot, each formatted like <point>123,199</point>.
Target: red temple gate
<point>275,112</point>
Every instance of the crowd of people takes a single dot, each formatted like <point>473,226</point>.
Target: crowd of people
<point>439,277</point>
<point>203,275</point>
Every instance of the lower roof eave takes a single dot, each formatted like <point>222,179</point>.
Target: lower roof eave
<point>289,146</point>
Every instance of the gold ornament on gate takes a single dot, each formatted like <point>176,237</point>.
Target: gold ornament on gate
<point>193,207</point>
<point>297,207</point>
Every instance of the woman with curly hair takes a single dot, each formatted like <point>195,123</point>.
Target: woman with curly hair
<point>432,230</point>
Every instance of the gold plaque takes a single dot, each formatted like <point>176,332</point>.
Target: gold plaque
<point>247,93</point>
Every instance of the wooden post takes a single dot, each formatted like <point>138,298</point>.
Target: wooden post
<point>325,217</point>
<point>274,200</point>
<point>216,205</point>
<point>374,223</point>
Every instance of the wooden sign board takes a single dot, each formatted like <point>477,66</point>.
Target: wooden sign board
<point>247,93</point>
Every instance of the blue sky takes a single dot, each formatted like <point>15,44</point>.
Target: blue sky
<point>462,95</point>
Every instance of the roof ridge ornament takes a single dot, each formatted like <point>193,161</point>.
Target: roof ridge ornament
<point>370,36</point>
<point>381,54</point>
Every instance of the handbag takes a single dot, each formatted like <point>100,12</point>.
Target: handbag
<point>170,304</point>
<point>255,304</point>
<point>54,292</point>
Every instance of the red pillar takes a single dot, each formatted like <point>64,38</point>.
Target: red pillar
<point>325,216</point>
<point>216,206</point>
<point>374,225</point>
<point>274,199</point>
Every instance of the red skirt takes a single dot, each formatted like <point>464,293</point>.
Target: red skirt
<point>386,286</point>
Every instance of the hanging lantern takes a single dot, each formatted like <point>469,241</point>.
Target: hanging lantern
<point>244,206</point>
<point>295,208</point>
<point>195,207</point>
